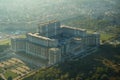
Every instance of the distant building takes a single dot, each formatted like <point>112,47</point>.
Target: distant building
<point>54,42</point>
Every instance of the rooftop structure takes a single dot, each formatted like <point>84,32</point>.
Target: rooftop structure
<point>54,42</point>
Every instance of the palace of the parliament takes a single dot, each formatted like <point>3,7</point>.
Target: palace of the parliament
<point>54,43</point>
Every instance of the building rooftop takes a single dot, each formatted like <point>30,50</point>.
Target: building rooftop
<point>47,23</point>
<point>38,36</point>
<point>77,38</point>
<point>73,28</point>
<point>54,49</point>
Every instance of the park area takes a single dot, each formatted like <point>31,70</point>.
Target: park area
<point>14,68</point>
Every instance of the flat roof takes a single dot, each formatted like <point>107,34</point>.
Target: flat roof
<point>77,38</point>
<point>64,26</point>
<point>38,36</point>
<point>46,23</point>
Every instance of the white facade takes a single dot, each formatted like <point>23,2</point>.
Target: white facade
<point>54,42</point>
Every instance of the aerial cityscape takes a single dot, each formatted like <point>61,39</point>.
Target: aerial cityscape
<point>59,40</point>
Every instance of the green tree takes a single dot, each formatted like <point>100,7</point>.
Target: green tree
<point>104,77</point>
<point>1,78</point>
<point>9,78</point>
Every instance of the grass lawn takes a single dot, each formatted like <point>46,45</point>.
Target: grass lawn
<point>9,73</point>
<point>106,36</point>
<point>3,42</point>
<point>7,41</point>
<point>0,69</point>
<point>22,36</point>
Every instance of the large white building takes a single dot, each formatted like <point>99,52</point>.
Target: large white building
<point>54,43</point>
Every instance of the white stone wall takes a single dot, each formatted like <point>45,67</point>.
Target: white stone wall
<point>44,41</point>
<point>54,55</point>
<point>73,31</point>
<point>18,44</point>
<point>93,39</point>
<point>36,50</point>
<point>40,45</point>
<point>49,29</point>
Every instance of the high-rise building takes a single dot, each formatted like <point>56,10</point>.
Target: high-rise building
<point>54,43</point>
